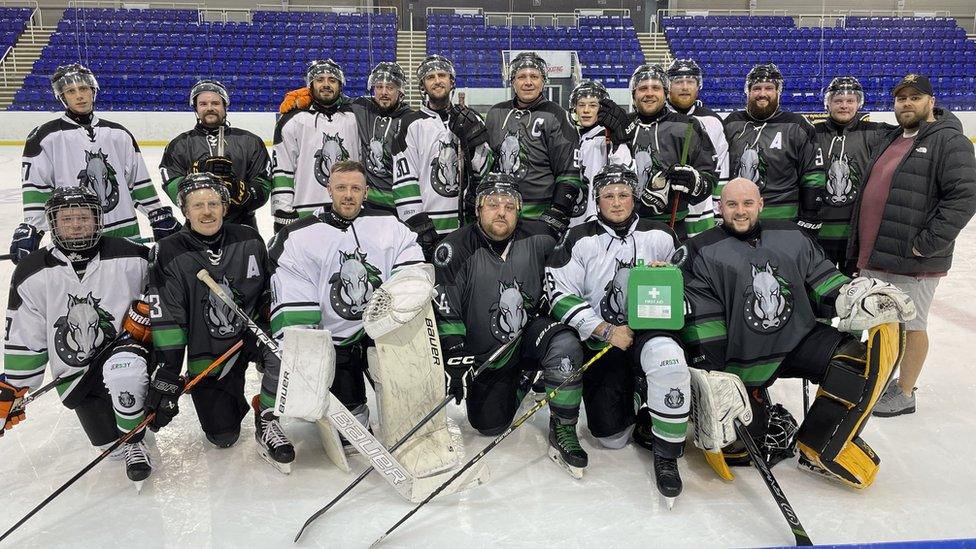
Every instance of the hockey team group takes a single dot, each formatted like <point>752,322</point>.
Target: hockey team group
<point>532,218</point>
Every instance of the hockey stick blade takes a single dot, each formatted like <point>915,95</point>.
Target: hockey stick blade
<point>511,428</point>
<point>340,416</point>
<point>802,539</point>
<point>430,415</point>
<point>123,439</point>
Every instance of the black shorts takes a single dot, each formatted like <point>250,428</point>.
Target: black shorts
<point>220,403</point>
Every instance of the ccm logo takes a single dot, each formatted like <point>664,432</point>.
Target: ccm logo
<point>460,360</point>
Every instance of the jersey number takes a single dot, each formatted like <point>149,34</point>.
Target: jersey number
<point>442,304</point>
<point>402,168</point>
<point>25,169</point>
<point>154,310</point>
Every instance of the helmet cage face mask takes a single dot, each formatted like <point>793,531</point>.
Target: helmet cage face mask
<point>68,198</point>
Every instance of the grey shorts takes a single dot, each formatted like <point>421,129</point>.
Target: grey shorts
<point>920,289</point>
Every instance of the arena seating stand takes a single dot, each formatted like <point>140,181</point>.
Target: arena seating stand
<point>148,59</point>
<point>607,45</point>
<point>879,51</point>
<point>13,21</point>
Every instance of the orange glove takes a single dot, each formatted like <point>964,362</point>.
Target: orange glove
<point>296,99</point>
<point>10,398</point>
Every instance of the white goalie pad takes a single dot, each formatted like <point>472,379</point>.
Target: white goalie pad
<point>865,303</point>
<point>400,299</point>
<point>717,400</point>
<point>307,372</point>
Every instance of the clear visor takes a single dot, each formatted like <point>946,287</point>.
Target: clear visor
<point>435,66</point>
<point>856,95</point>
<point>74,79</point>
<point>384,77</point>
<point>494,197</point>
<point>74,227</point>
<point>187,190</point>
<point>324,70</point>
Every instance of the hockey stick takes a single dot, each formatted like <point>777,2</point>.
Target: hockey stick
<point>511,428</point>
<point>338,415</point>
<point>802,539</point>
<point>681,161</point>
<point>484,366</point>
<point>462,158</point>
<point>123,439</point>
<point>6,257</point>
<point>806,397</point>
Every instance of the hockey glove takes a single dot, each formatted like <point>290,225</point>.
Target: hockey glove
<point>614,118</point>
<point>467,125</point>
<point>427,237</point>
<point>240,192</point>
<point>283,218</point>
<point>655,194</point>
<point>163,397</point>
<point>557,221</point>
<point>163,223</point>
<point>10,399</point>
<point>685,179</point>
<point>296,99</point>
<point>457,371</point>
<point>26,239</point>
<point>219,166</point>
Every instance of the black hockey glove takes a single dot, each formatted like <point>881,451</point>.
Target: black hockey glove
<point>427,237</point>
<point>163,397</point>
<point>467,125</point>
<point>240,192</point>
<point>655,194</point>
<point>283,218</point>
<point>220,166</point>
<point>685,179</point>
<point>163,223</point>
<point>615,118</point>
<point>556,220</point>
<point>26,239</point>
<point>458,371</point>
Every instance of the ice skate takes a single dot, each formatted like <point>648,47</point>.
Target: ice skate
<point>138,466</point>
<point>273,445</point>
<point>565,449</point>
<point>668,479</point>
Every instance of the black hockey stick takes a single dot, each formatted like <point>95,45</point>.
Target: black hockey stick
<point>6,257</point>
<point>489,362</point>
<point>515,425</point>
<point>802,539</point>
<point>123,439</point>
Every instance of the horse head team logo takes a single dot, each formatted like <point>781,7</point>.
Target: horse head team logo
<point>646,164</point>
<point>444,169</point>
<point>842,179</point>
<point>512,158</point>
<point>579,207</point>
<point>352,285</point>
<point>99,177</point>
<point>508,315</point>
<point>378,158</point>
<point>613,306</point>
<point>82,330</point>
<point>333,150</point>
<point>126,400</point>
<point>220,319</point>
<point>674,399</point>
<point>752,166</point>
<point>769,300</point>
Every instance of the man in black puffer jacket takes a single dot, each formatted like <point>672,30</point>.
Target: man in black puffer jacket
<point>920,192</point>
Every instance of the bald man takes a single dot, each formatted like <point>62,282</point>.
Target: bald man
<point>755,290</point>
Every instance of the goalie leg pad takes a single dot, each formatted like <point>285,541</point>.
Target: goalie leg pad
<point>307,371</point>
<point>717,400</point>
<point>854,381</point>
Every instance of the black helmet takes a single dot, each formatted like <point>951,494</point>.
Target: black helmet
<point>528,60</point>
<point>588,88</point>
<point>328,66</point>
<point>498,183</point>
<point>612,174</point>
<point>764,72</point>
<point>208,85</point>
<point>73,197</point>
<point>75,73</point>
<point>685,68</point>
<point>648,71</point>
<point>842,85</point>
<point>386,71</point>
<point>200,180</point>
<point>433,63</point>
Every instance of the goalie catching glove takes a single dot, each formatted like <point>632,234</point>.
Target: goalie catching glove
<point>296,99</point>
<point>865,303</point>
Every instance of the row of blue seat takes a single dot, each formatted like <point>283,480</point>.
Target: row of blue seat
<point>317,16</point>
<point>816,33</point>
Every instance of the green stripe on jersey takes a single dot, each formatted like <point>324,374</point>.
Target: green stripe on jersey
<point>283,319</point>
<point>380,198</point>
<point>280,181</point>
<point>837,231</point>
<point>451,328</point>
<point>704,331</point>
<point>24,363</point>
<point>788,211</point>
<point>36,197</point>
<point>532,210</point>
<point>835,281</point>
<point>409,190</point>
<point>565,304</point>
<point>124,231</point>
<point>445,224</point>
<point>754,374</point>
<point>143,193</point>
<point>168,338</point>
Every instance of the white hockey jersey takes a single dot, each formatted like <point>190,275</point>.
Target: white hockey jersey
<point>103,157</point>
<point>307,142</point>
<point>55,318</point>
<point>587,273</point>
<point>593,155</point>
<point>324,269</point>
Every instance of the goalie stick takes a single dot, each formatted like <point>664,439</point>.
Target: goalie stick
<point>124,438</point>
<point>340,416</point>
<point>511,428</point>
<point>484,366</point>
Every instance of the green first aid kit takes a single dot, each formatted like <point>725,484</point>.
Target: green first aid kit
<point>655,298</point>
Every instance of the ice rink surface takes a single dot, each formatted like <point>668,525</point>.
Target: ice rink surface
<point>200,496</point>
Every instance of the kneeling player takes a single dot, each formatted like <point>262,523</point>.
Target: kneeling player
<point>489,278</point>
<point>755,290</point>
<point>187,315</point>
<point>69,307</point>
<point>588,277</point>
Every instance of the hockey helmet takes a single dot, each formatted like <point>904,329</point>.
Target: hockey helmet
<point>780,440</point>
<point>327,67</point>
<point>764,72</point>
<point>63,198</point>
<point>208,85</point>
<point>685,68</point>
<point>614,174</point>
<point>388,72</point>
<point>648,71</point>
<point>434,63</point>
<point>498,183</point>
<point>68,75</point>
<point>844,85</point>
<point>201,180</point>
<point>588,88</point>
<point>528,60</point>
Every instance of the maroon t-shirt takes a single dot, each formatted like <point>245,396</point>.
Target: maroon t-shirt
<point>875,197</point>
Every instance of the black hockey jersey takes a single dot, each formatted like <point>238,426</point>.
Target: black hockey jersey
<point>377,130</point>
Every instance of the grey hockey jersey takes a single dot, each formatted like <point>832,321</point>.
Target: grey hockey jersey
<point>377,131</point>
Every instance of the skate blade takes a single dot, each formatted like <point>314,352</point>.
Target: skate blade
<point>575,472</point>
<point>138,484</point>
<point>281,467</point>
<point>669,501</point>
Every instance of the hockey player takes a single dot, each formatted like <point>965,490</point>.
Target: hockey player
<point>69,308</point>
<point>187,316</point>
<point>776,150</point>
<point>81,149</point>
<point>659,139</point>
<point>587,289</point>
<point>308,142</point>
<point>490,288</point>
<point>434,146</point>
<point>848,141</point>
<point>754,291</point>
<point>325,268</point>
<point>533,140</point>
<point>241,161</point>
<point>686,82</point>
